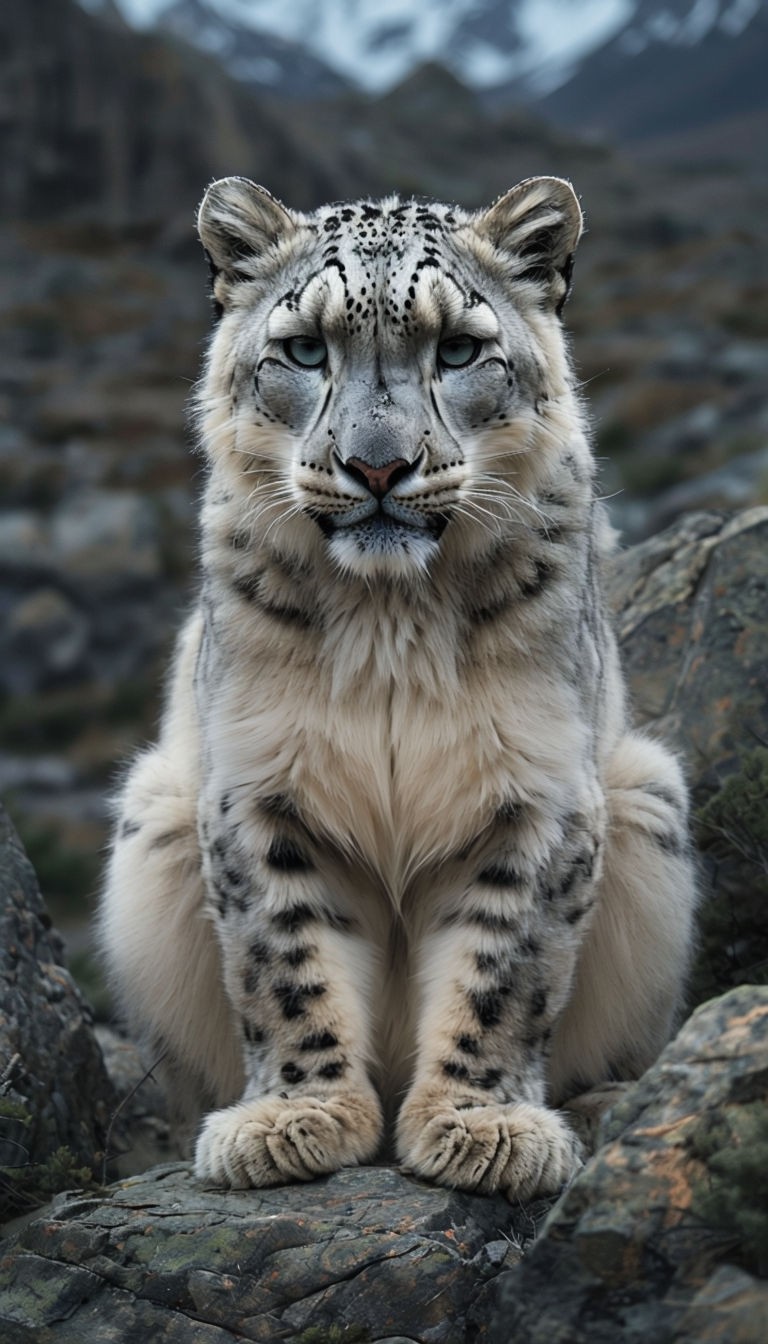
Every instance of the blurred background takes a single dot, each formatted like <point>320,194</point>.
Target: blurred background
<point>114,114</point>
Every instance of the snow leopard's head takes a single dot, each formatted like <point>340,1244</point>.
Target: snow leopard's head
<point>383,371</point>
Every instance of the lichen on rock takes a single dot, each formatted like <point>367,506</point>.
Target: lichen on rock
<point>669,1214</point>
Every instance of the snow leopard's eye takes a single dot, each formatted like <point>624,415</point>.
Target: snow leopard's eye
<point>458,351</point>
<point>309,352</point>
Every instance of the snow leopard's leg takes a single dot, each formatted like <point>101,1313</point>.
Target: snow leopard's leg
<point>298,971</point>
<point>496,968</point>
<point>631,975</point>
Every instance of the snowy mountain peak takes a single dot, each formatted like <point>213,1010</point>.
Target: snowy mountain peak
<point>376,43</point>
<point>534,44</point>
<point>685,24</point>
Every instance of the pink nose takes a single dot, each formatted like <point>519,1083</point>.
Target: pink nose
<point>379,480</point>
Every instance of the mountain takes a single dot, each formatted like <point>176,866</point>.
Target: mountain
<point>375,44</point>
<point>259,57</point>
<point>674,70</point>
<point>98,118</point>
<point>633,70</point>
<point>550,49</point>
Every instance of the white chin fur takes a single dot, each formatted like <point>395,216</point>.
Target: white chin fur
<point>397,552</point>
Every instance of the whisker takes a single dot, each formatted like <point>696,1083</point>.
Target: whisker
<point>512,508</point>
<point>284,518</point>
<point>522,500</point>
<point>479,522</point>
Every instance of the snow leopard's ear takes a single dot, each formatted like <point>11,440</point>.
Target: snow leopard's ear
<point>238,222</point>
<point>537,224</point>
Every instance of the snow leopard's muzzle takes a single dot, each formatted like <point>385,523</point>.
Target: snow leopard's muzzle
<point>387,506</point>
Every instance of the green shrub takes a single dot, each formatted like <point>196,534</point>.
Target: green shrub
<point>734,1201</point>
<point>732,832</point>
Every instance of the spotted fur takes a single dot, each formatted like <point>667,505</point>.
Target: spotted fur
<point>398,857</point>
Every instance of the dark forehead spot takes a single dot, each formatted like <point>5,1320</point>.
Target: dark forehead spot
<point>373,221</point>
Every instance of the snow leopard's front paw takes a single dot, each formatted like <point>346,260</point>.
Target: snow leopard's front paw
<point>520,1150</point>
<point>274,1139</point>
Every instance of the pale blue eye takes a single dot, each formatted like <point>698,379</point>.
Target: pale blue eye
<point>458,351</point>
<point>307,351</point>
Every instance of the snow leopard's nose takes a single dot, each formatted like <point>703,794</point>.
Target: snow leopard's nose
<point>379,480</point>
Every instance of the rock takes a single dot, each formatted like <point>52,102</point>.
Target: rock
<point>692,616</point>
<point>366,1254</point>
<point>45,640</point>
<point>107,535</point>
<point>24,542</point>
<point>692,620</point>
<point>742,361</point>
<point>664,1234</point>
<point>83,592</point>
<point>55,1096</point>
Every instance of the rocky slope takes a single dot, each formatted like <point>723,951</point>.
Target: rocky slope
<point>665,1235</point>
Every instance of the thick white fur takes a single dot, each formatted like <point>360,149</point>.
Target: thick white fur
<point>399,725</point>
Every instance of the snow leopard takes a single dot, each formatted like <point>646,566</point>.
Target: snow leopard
<point>399,878</point>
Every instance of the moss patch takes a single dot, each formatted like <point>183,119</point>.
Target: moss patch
<point>734,1200</point>
<point>736,818</point>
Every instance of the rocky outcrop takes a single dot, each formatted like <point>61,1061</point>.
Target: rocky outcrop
<point>665,1235</point>
<point>661,1237</point>
<point>691,610</point>
<point>55,1096</point>
<point>365,1254</point>
<point>692,619</point>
